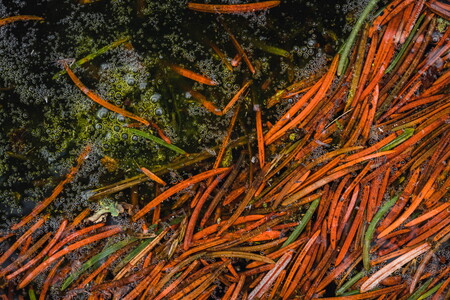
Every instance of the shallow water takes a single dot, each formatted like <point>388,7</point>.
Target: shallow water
<point>45,122</point>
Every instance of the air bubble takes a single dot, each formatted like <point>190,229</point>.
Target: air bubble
<point>131,81</point>
<point>435,36</point>
<point>102,113</point>
<point>155,97</point>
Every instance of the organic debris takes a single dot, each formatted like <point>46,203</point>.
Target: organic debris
<point>349,199</point>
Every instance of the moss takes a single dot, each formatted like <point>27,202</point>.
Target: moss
<point>47,121</point>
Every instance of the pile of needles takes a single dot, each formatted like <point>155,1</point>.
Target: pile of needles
<point>349,199</point>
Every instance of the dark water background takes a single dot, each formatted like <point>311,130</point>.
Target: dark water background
<point>46,122</point>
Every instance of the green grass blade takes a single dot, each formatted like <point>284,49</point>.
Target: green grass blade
<point>92,56</point>
<point>420,290</point>
<point>93,260</point>
<point>32,294</point>
<point>157,140</point>
<point>405,45</point>
<point>351,39</point>
<point>430,292</point>
<point>407,133</point>
<point>371,229</point>
<point>349,283</point>
<point>132,254</point>
<point>298,230</point>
